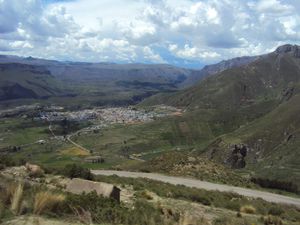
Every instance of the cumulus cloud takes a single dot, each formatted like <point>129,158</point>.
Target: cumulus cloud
<point>193,53</point>
<point>157,31</point>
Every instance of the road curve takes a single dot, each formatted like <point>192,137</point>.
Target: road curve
<point>267,196</point>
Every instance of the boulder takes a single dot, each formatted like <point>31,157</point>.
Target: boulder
<point>34,170</point>
<point>79,186</point>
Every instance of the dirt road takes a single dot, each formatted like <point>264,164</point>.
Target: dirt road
<point>267,196</point>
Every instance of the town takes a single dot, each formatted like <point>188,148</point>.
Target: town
<point>108,116</point>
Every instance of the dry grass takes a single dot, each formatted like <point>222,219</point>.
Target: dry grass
<point>46,201</point>
<point>190,220</point>
<point>74,151</point>
<point>16,199</point>
<point>83,216</point>
<point>272,220</point>
<point>248,209</point>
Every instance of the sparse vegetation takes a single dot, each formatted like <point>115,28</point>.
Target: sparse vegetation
<point>77,171</point>
<point>272,220</point>
<point>211,198</point>
<point>47,201</point>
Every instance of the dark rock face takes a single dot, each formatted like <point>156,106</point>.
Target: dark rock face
<point>288,93</point>
<point>237,156</point>
<point>289,49</point>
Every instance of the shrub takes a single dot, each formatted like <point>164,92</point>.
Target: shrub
<point>102,210</point>
<point>238,214</point>
<point>276,184</point>
<point>76,171</point>
<point>276,211</point>
<point>144,195</point>
<point>248,209</point>
<point>6,160</point>
<point>46,201</point>
<point>105,210</point>
<point>16,199</point>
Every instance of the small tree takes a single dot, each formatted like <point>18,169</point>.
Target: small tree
<point>76,171</point>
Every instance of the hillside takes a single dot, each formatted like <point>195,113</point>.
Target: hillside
<point>208,70</point>
<point>254,107</point>
<point>27,81</point>
<point>263,80</point>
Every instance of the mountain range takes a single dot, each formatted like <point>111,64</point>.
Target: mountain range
<point>243,113</point>
<point>96,83</point>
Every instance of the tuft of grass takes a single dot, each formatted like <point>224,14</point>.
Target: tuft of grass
<point>187,220</point>
<point>46,201</point>
<point>16,199</point>
<point>272,220</point>
<point>144,194</point>
<point>249,209</point>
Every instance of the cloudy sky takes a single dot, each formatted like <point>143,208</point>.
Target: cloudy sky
<point>188,33</point>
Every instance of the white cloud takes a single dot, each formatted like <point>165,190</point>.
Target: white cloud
<point>193,53</point>
<point>272,6</point>
<point>157,31</point>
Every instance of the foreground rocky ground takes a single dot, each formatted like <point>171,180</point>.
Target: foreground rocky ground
<point>168,208</point>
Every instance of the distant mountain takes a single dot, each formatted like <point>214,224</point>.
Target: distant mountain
<point>197,75</point>
<point>90,83</point>
<point>264,78</point>
<point>96,83</point>
<point>26,81</point>
<point>249,115</point>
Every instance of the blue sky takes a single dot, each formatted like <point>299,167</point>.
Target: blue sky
<point>186,33</point>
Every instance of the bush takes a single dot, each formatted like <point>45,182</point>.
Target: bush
<point>144,195</point>
<point>105,210</point>
<point>248,209</point>
<point>102,210</point>
<point>276,184</point>
<point>47,201</point>
<point>6,160</point>
<point>276,211</point>
<point>76,171</point>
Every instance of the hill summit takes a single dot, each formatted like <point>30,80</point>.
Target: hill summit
<point>293,50</point>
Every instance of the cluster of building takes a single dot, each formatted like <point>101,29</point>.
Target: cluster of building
<point>125,115</point>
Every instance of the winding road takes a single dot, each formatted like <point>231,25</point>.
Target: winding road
<point>267,196</point>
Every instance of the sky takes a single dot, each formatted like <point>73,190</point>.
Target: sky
<point>186,33</point>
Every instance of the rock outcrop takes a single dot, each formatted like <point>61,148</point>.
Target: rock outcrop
<point>237,156</point>
<point>289,49</point>
<point>79,186</point>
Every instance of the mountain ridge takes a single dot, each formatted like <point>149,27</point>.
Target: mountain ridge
<point>251,112</point>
